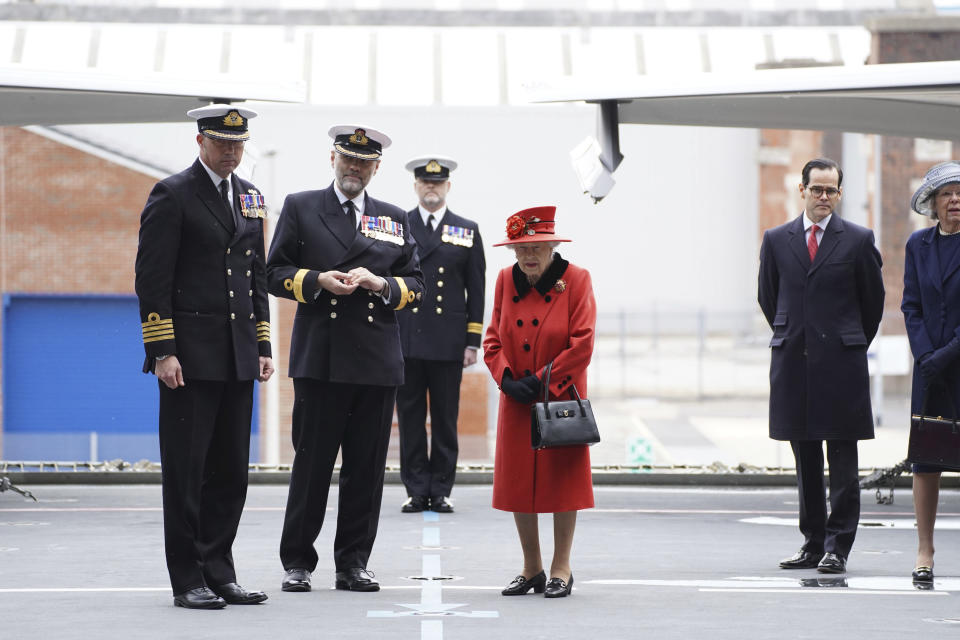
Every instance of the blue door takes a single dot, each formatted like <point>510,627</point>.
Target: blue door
<point>72,386</point>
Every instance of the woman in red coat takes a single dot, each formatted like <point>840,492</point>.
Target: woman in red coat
<point>543,312</point>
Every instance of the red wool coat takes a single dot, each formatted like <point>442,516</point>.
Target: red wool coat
<point>530,328</point>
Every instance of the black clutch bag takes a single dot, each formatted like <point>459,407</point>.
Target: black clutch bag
<point>562,423</point>
<point>934,440</point>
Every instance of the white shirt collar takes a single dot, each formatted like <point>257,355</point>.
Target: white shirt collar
<point>437,215</point>
<point>358,202</point>
<point>807,222</point>
<point>217,179</point>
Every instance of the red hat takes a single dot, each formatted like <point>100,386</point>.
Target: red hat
<point>531,225</point>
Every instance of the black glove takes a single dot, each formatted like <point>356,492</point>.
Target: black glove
<point>933,364</point>
<point>525,390</point>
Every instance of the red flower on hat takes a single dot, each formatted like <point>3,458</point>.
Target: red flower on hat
<point>516,225</point>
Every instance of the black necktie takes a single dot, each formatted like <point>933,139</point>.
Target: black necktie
<point>352,212</point>
<point>225,193</point>
<point>430,223</point>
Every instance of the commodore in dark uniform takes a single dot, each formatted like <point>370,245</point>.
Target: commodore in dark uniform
<point>439,339</point>
<point>345,357</point>
<point>201,282</point>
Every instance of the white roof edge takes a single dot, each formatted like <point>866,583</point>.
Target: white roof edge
<point>99,152</point>
<point>798,80</point>
<point>16,77</point>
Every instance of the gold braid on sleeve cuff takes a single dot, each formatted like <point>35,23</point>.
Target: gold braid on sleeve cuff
<point>405,294</point>
<point>155,329</point>
<point>298,285</point>
<point>263,331</point>
<point>475,327</point>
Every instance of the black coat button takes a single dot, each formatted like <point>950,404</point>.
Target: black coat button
<point>547,298</point>
<point>526,347</point>
<point>535,322</point>
<point>516,298</point>
<point>519,323</point>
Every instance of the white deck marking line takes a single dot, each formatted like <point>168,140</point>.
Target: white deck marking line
<point>85,590</point>
<point>888,523</point>
<point>431,537</point>
<point>431,630</point>
<point>849,592</point>
<point>433,517</point>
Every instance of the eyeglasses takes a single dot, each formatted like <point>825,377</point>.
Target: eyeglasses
<point>818,191</point>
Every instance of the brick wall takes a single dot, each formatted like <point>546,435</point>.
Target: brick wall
<point>904,160</point>
<point>68,221</point>
<point>68,224</point>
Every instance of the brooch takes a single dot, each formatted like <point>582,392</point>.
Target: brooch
<point>560,286</point>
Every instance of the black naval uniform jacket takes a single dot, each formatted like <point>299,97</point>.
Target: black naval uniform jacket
<point>201,281</point>
<point>343,338</point>
<point>454,273</point>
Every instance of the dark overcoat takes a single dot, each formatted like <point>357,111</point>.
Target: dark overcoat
<point>454,275</point>
<point>531,327</point>
<point>201,279</point>
<point>343,338</point>
<point>931,310</point>
<point>824,316</point>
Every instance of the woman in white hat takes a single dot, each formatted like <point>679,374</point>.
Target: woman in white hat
<point>931,310</point>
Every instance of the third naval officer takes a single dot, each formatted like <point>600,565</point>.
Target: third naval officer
<point>439,339</point>
<point>345,357</point>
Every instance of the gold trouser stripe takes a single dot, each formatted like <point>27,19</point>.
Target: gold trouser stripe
<point>298,284</point>
<point>474,327</point>
<point>403,293</point>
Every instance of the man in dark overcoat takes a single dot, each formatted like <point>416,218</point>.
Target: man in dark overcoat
<point>440,340</point>
<point>350,262</point>
<point>201,283</point>
<point>821,290</point>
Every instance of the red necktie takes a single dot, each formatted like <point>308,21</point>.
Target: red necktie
<point>812,242</point>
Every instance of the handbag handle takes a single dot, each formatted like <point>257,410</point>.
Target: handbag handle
<point>574,394</point>
<point>926,398</point>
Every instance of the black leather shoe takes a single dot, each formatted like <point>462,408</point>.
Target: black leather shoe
<point>296,580</point>
<point>832,563</point>
<point>557,588</point>
<point>199,598</point>
<point>415,504</point>
<point>923,574</point>
<point>521,585</point>
<point>441,504</point>
<point>801,560</point>
<point>356,579</point>
<point>235,594</point>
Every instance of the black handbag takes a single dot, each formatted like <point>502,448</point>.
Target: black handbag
<point>562,423</point>
<point>935,440</point>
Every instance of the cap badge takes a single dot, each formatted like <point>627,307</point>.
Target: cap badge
<point>433,167</point>
<point>360,137</point>
<point>233,119</point>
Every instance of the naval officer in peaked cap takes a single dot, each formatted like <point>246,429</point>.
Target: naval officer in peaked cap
<point>201,285</point>
<point>351,264</point>
<point>440,339</point>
